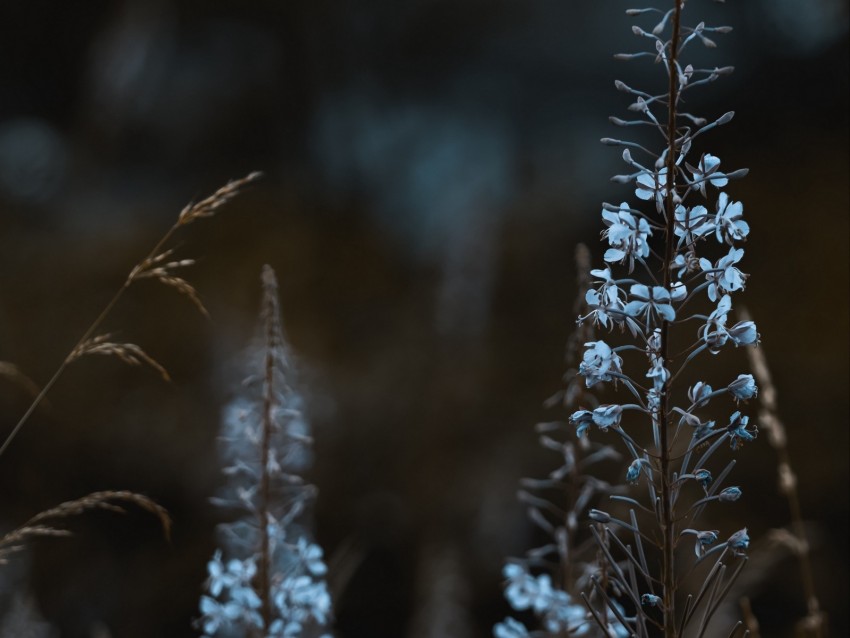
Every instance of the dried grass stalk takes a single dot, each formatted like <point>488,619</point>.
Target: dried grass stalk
<point>128,353</point>
<point>41,525</point>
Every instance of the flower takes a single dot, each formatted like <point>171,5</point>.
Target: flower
<point>510,628</point>
<point>521,589</point>
<point>739,541</point>
<point>699,394</point>
<point>648,302</point>
<point>216,615</point>
<point>604,302</point>
<point>707,172</point>
<point>650,599</point>
<point>744,387</point>
<point>714,331</point>
<point>724,277</point>
<point>581,419</point>
<point>691,224</point>
<point>737,430</point>
<point>744,333</point>
<point>730,494</point>
<point>652,185</point>
<point>311,555</point>
<point>729,222</point>
<point>633,473</point>
<point>606,416</point>
<point>626,235</point>
<point>704,477</point>
<point>599,363</point>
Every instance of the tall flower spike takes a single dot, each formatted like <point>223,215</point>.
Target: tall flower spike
<point>680,205</point>
<point>271,584</point>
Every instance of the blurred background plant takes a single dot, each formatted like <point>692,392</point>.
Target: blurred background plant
<point>429,167</point>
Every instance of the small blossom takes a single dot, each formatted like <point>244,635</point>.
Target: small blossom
<point>691,224</point>
<point>521,589</point>
<point>216,614</point>
<point>599,363</point>
<point>650,600</point>
<point>605,305</point>
<point>648,302</point>
<point>703,429</point>
<point>707,172</point>
<point>739,541</point>
<point>730,225</point>
<point>744,333</point>
<point>581,419</point>
<point>626,235</point>
<point>698,393</point>
<point>737,429</point>
<point>744,387</point>
<point>724,276</point>
<point>311,555</point>
<point>704,477</point>
<point>730,494</point>
<point>714,331</point>
<point>633,473</point>
<point>652,185</point>
<point>678,291</point>
<point>703,540</point>
<point>686,263</point>
<point>606,416</point>
<point>510,628</point>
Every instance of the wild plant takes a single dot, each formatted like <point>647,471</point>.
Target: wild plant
<point>159,265</point>
<point>268,578</point>
<point>549,579</point>
<point>660,569</point>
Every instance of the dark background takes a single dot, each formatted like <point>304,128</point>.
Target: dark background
<point>430,166</point>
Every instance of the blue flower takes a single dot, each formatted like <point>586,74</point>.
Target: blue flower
<point>704,477</point>
<point>730,224</point>
<point>626,235</point>
<point>521,589</point>
<point>606,416</point>
<point>739,541</point>
<point>714,331</point>
<point>744,387</point>
<point>730,494</point>
<point>691,224</point>
<point>604,302</point>
<point>707,172</point>
<point>738,432</point>
<point>699,393</point>
<point>652,185</point>
<point>581,419</point>
<point>744,333</point>
<point>648,302</point>
<point>510,628</point>
<point>724,277</point>
<point>599,363</point>
<point>633,473</point>
<point>650,599</point>
<point>311,555</point>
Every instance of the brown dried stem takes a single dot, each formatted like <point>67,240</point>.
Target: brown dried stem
<point>40,525</point>
<point>152,266</point>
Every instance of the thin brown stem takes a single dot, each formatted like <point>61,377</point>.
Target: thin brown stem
<point>265,567</point>
<point>668,576</point>
<point>204,208</point>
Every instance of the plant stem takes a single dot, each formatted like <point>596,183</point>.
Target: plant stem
<point>668,579</point>
<point>264,574</point>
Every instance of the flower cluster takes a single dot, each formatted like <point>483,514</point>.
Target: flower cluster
<point>558,612</point>
<point>680,247</point>
<point>272,584</point>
